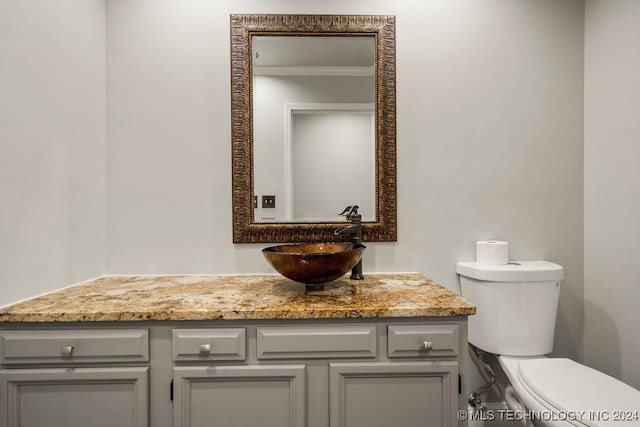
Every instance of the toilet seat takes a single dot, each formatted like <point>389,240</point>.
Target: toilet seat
<point>581,396</point>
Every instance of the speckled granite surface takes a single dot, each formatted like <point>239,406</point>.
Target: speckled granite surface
<point>209,297</point>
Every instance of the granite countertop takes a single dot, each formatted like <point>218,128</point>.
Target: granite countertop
<point>227,297</point>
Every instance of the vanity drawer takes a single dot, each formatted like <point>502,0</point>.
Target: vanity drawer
<point>209,344</point>
<point>422,340</point>
<point>296,342</point>
<point>74,346</point>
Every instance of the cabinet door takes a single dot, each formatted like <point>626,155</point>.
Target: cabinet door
<point>239,396</point>
<point>411,394</point>
<point>70,397</point>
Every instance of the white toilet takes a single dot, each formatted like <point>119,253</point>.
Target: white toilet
<point>515,320</point>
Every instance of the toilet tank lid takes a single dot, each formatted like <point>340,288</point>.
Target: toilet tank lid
<point>515,271</point>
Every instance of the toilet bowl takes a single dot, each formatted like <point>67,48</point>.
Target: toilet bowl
<point>516,309</point>
<point>558,392</point>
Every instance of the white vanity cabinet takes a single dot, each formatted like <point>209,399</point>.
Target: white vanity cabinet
<point>255,395</point>
<point>381,394</point>
<point>375,372</point>
<point>74,377</point>
<point>208,392</point>
<point>417,386</point>
<point>314,373</point>
<point>236,351</point>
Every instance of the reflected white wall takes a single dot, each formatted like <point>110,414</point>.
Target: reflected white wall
<point>333,165</point>
<point>271,94</point>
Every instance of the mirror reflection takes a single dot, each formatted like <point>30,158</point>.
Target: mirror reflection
<point>313,127</point>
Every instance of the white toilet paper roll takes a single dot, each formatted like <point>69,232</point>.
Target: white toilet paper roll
<point>492,252</point>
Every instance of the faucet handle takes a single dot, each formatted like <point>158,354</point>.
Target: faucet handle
<point>346,211</point>
<point>353,214</point>
<point>350,211</point>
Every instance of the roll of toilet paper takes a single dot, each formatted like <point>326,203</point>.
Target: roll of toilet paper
<point>492,252</point>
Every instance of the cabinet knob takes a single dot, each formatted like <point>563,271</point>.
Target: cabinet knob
<point>67,350</point>
<point>426,346</point>
<point>205,348</point>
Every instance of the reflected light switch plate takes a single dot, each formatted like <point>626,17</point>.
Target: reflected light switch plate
<point>268,202</point>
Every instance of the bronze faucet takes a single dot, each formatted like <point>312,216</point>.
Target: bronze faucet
<point>355,229</point>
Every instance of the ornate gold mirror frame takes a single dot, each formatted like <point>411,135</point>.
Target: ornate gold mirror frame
<point>243,29</point>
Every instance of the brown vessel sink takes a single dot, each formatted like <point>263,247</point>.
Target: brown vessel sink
<point>314,263</point>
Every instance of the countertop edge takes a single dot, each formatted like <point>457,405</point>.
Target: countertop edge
<point>238,297</point>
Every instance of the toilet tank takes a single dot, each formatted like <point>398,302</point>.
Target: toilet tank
<point>516,305</point>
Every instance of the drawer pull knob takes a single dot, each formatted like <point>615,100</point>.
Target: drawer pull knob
<point>205,348</point>
<point>67,350</point>
<point>426,346</point>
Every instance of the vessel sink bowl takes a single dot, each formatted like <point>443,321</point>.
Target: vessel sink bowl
<point>314,263</point>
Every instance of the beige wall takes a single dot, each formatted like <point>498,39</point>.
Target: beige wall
<point>490,122</point>
<point>52,144</point>
<point>489,103</point>
<point>612,188</point>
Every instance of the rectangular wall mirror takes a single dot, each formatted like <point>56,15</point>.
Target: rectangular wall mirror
<point>313,125</point>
